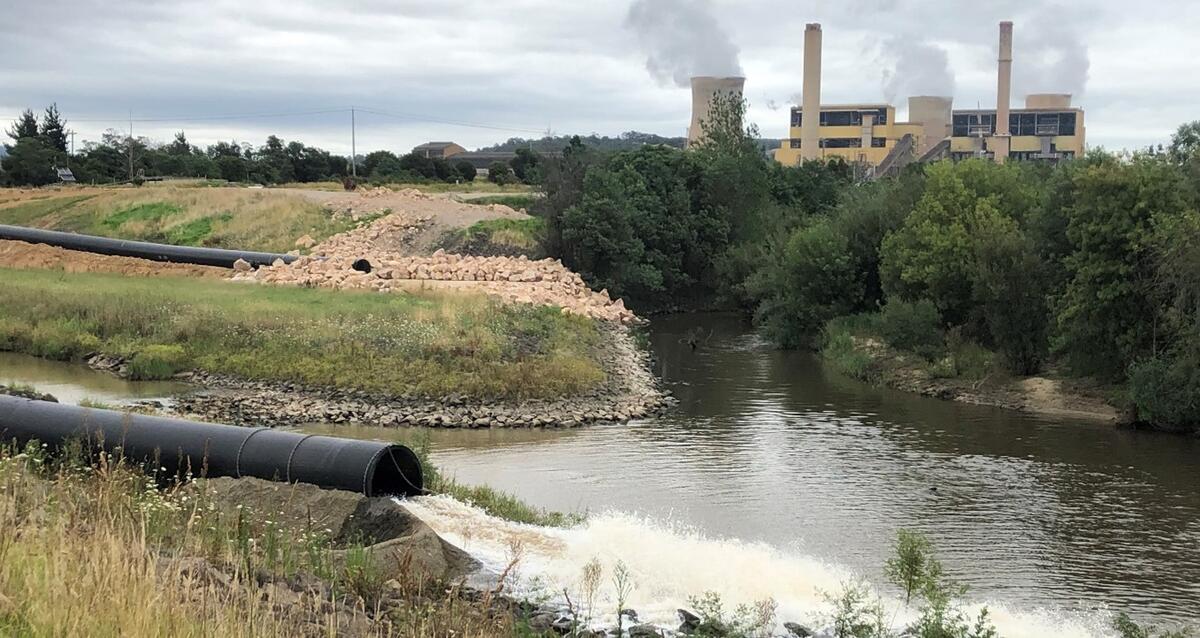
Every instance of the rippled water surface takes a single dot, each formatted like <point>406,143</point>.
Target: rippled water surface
<point>769,446</point>
<point>1073,518</point>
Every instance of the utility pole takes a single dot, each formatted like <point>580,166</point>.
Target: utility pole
<point>130,144</point>
<point>72,132</point>
<point>353,147</point>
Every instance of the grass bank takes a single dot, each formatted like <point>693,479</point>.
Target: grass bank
<point>250,219</point>
<point>428,344</point>
<point>491,237</point>
<point>97,550</point>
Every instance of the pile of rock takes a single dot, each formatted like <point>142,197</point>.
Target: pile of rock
<point>371,258</point>
<point>511,279</point>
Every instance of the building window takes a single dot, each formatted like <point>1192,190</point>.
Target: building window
<point>794,142</point>
<point>878,142</point>
<point>797,117</point>
<point>1066,123</point>
<point>973,124</point>
<point>1022,124</point>
<point>841,142</point>
<point>840,118</point>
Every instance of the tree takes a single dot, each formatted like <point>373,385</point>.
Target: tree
<point>812,281</point>
<point>53,129</point>
<point>179,146</point>
<point>372,162</point>
<point>526,165</point>
<point>1010,289</point>
<point>1107,316</point>
<point>232,168</point>
<point>466,170</point>
<point>25,126</point>
<point>443,170</point>
<point>500,173</point>
<point>30,162</point>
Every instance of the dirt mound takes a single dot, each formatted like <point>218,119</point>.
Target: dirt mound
<point>18,254</point>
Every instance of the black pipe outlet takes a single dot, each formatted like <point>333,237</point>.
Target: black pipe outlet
<point>361,265</point>
<point>177,447</point>
<point>219,257</point>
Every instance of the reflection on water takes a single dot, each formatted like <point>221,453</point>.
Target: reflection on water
<point>767,446</point>
<point>72,383</point>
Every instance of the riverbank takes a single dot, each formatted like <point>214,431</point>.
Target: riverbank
<point>315,355</point>
<point>628,391</point>
<point>870,360</point>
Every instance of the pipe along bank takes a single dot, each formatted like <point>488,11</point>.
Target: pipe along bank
<point>177,447</point>
<point>219,257</point>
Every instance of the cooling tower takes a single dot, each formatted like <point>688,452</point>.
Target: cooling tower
<point>1048,101</point>
<point>810,106</point>
<point>933,114</point>
<point>704,89</point>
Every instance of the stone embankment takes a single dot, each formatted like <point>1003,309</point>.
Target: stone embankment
<point>629,391</point>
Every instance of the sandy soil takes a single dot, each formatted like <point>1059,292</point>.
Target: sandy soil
<point>442,210</point>
<point>18,254</point>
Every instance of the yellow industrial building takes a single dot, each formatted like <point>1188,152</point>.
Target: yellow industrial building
<point>1048,128</point>
<point>864,133</point>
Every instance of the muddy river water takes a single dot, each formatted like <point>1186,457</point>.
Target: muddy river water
<point>775,477</point>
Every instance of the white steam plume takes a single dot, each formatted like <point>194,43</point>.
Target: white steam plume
<point>682,39</point>
<point>913,67</point>
<point>1049,56</point>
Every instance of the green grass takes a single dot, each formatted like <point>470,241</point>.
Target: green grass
<point>389,344</point>
<point>512,201</point>
<point>499,237</point>
<point>241,218</point>
<point>31,212</point>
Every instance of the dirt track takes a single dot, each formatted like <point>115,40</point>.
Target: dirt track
<point>18,254</point>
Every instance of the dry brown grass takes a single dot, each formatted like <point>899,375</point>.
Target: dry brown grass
<point>101,552</point>
<point>227,217</point>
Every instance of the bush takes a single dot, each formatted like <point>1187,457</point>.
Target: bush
<point>157,362</point>
<point>500,173</point>
<point>838,348</point>
<point>915,327</point>
<point>1166,392</point>
<point>466,170</point>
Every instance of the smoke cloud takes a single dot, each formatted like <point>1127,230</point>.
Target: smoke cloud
<point>1049,56</point>
<point>912,67</point>
<point>682,39</point>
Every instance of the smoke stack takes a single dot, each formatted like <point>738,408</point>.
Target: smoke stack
<point>810,107</point>
<point>1003,89</point>
<point>704,89</point>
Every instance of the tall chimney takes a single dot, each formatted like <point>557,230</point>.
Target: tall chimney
<point>704,89</point>
<point>810,107</point>
<point>1003,89</point>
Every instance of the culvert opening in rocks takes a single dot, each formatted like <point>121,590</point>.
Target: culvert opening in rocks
<point>361,265</point>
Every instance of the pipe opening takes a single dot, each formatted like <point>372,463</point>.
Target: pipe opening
<point>395,472</point>
<point>361,265</point>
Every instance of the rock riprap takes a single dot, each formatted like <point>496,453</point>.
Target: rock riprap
<point>331,264</point>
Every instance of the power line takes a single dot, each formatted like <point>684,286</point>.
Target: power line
<point>437,120</point>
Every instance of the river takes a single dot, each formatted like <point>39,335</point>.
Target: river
<point>775,477</point>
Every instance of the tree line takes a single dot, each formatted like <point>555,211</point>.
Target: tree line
<point>1091,266</point>
<point>41,145</point>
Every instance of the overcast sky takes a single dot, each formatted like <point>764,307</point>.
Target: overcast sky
<point>527,66</point>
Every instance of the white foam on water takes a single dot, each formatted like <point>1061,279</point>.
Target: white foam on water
<point>669,563</point>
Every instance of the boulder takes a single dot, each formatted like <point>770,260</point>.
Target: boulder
<point>241,265</point>
<point>306,241</point>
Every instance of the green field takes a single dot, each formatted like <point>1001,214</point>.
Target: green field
<point>249,219</point>
<point>429,344</point>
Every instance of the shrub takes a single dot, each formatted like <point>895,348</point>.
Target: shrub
<point>915,327</point>
<point>839,350</point>
<point>466,170</point>
<point>500,173</point>
<point>157,362</point>
<point>1166,392</point>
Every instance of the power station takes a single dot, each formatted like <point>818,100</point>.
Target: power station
<point>1048,128</point>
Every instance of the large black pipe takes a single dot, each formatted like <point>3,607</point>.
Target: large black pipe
<point>144,250</point>
<point>177,447</point>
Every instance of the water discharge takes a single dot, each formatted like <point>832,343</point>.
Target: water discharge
<point>671,563</point>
